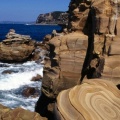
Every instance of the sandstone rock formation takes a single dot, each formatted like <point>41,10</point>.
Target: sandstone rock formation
<point>78,14</point>
<point>92,100</point>
<point>16,47</point>
<point>65,63</point>
<point>88,50</point>
<point>18,114</point>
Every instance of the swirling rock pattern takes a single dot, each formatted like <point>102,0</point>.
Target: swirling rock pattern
<point>93,100</point>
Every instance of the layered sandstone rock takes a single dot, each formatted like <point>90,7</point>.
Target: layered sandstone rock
<point>78,14</point>
<point>64,67</point>
<point>17,114</point>
<point>65,63</point>
<point>16,47</point>
<point>106,38</point>
<point>92,100</point>
<point>89,49</point>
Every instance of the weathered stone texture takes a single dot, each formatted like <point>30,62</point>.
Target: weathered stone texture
<point>18,114</point>
<point>67,59</point>
<point>89,49</point>
<point>85,51</point>
<point>16,47</point>
<point>94,99</point>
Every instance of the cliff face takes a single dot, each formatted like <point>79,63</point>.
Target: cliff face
<point>56,17</point>
<point>89,49</point>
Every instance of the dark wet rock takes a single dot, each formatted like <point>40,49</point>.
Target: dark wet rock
<point>30,91</point>
<point>44,107</point>
<point>37,78</point>
<point>4,65</point>
<point>8,71</point>
<point>16,47</point>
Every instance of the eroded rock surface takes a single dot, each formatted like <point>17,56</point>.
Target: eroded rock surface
<point>30,92</point>
<point>16,47</point>
<point>89,49</point>
<point>17,114</point>
<point>65,63</point>
<point>92,100</point>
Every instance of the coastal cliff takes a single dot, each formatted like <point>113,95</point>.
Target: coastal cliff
<point>56,17</point>
<point>86,49</point>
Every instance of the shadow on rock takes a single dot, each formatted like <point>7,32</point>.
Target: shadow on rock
<point>44,107</point>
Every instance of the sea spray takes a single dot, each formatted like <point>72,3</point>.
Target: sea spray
<point>11,85</point>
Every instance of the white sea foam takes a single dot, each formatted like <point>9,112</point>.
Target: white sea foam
<point>11,85</point>
<point>13,101</point>
<point>23,77</point>
<point>14,81</point>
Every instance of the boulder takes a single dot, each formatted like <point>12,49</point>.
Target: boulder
<point>37,78</point>
<point>8,71</point>
<point>16,48</point>
<point>30,91</point>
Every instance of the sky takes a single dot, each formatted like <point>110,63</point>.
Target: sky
<point>28,10</point>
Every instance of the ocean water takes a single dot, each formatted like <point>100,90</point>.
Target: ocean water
<point>12,85</point>
<point>37,32</point>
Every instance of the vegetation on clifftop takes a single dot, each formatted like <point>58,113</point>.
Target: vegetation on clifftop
<point>56,17</point>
